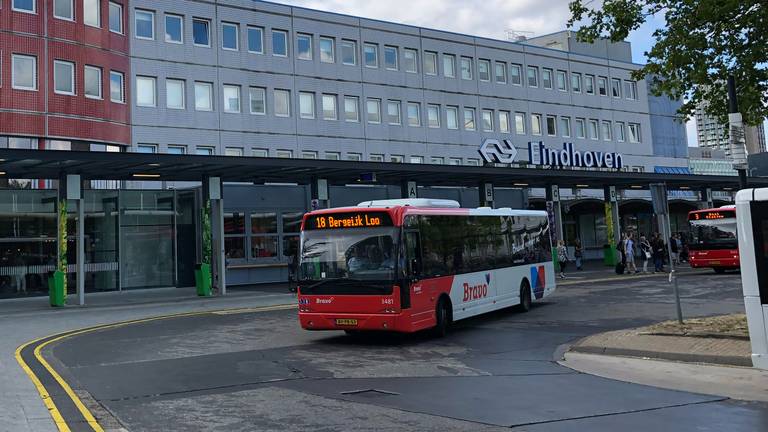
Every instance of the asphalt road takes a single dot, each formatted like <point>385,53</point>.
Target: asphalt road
<point>261,372</point>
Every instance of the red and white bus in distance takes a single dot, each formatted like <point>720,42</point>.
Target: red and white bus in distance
<point>409,265</point>
<point>713,239</point>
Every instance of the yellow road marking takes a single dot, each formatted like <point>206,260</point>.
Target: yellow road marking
<point>46,397</point>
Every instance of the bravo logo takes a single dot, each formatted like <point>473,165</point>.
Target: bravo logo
<point>475,292</point>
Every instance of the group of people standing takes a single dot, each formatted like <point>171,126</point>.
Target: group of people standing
<point>650,251</point>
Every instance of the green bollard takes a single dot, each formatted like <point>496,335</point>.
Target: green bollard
<point>56,293</point>
<point>203,279</point>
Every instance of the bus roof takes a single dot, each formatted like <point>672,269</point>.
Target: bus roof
<point>407,209</point>
<point>722,208</point>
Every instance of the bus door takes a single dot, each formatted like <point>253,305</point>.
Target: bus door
<point>421,290</point>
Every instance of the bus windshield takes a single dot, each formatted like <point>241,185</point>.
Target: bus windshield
<point>348,261</point>
<point>713,234</point>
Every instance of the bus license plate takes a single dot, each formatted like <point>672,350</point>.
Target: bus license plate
<point>714,262</point>
<point>346,322</point>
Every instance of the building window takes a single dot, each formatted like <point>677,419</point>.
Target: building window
<point>580,128</point>
<point>396,158</point>
<point>515,74</point>
<point>63,77</point>
<point>329,107</point>
<point>373,108</point>
<point>230,36</point>
<point>449,65</point>
<point>231,98</point>
<point>92,82</point>
<point>565,127</point>
<point>454,161</point>
<point>500,71</point>
<point>562,81</point>
<point>92,13</point>
<point>174,28</point>
<point>473,162</point>
<point>533,76</point>
<point>258,100</point>
<point>520,123</point>
<point>430,62</point>
<point>177,150</point>
<point>332,156</point>
<point>551,126</point>
<point>536,124</point>
<point>602,86</point>
<point>280,43</point>
<point>327,50</point>
<point>115,18</point>
<point>255,40</point>
<point>304,46</point>
<point>348,52</point>
<point>607,132</point>
<point>576,82</point>
<point>145,24</point>
<point>594,133</point>
<point>416,159</point>
<point>146,148</point>
<point>306,105</point>
<point>284,154</point>
<point>634,133</point>
<point>233,151</point>
<point>469,119</point>
<point>357,157</point>
<point>205,151</point>
<point>589,84</point>
<point>414,114</point>
<point>260,152</point>
<point>546,78</point>
<point>483,70</point>
<point>630,90</point>
<point>410,61</point>
<point>201,32</point>
<point>376,157</point>
<point>63,9</point>
<point>371,55</point>
<point>203,96</point>
<point>621,133</point>
<point>466,68</point>
<point>351,109</point>
<point>116,87</point>
<point>616,87</point>
<point>487,120</point>
<point>393,112</point>
<point>390,57</point>
<point>433,116</point>
<point>282,103</point>
<point>309,154</point>
<point>24,5</point>
<point>437,160</point>
<point>452,117</point>
<point>174,94</point>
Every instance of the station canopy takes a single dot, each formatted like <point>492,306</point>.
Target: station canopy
<point>53,164</point>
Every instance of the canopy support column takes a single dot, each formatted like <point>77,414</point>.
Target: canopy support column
<point>319,191</point>
<point>486,194</point>
<point>218,252</point>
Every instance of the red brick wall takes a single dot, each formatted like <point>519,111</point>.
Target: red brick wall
<point>72,117</point>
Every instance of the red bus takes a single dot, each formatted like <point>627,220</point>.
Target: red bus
<point>410,265</point>
<point>713,239</point>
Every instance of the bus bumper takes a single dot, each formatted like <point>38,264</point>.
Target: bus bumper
<point>722,262</point>
<point>359,322</point>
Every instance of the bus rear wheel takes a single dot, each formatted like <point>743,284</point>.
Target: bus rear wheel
<point>525,296</point>
<point>442,318</point>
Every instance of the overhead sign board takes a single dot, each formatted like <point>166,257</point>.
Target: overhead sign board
<point>503,151</point>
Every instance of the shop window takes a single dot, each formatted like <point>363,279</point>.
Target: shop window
<point>234,235</point>
<point>264,235</point>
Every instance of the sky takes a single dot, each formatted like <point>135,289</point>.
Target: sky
<point>488,18</point>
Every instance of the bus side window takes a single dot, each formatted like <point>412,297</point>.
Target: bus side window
<point>413,254</point>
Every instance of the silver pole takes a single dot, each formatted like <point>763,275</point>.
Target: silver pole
<point>672,275</point>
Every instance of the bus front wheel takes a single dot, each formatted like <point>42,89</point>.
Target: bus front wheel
<point>525,296</point>
<point>442,318</point>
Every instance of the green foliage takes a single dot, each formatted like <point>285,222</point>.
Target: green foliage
<point>609,224</point>
<point>704,42</point>
<point>205,220</point>
<point>61,263</point>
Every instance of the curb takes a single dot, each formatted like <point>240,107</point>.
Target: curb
<point>661,355</point>
<point>627,277</point>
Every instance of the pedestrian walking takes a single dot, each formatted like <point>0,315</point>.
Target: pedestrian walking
<point>562,257</point>
<point>645,250</point>
<point>658,253</point>
<point>578,252</point>
<point>629,251</point>
<point>674,246</point>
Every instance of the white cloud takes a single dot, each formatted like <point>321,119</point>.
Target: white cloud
<point>488,18</point>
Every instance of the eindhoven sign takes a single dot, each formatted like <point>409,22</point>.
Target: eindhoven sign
<point>496,151</point>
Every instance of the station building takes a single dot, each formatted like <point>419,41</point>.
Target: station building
<point>249,79</point>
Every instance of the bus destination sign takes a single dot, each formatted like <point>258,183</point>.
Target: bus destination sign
<point>713,215</point>
<point>348,220</point>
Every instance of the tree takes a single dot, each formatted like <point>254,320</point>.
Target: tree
<point>704,42</point>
